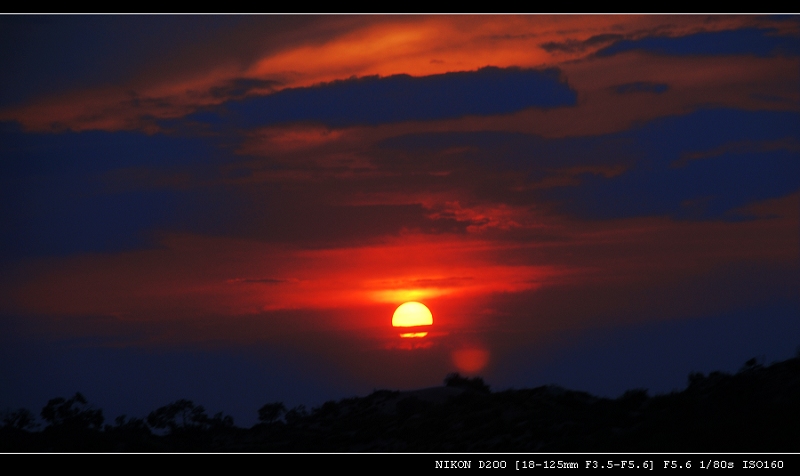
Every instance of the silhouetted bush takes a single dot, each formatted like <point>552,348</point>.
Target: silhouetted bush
<point>456,380</point>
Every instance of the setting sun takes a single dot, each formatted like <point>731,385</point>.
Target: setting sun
<point>412,314</point>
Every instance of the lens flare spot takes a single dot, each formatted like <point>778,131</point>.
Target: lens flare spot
<point>470,360</point>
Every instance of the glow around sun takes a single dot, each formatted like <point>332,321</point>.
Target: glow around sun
<point>410,314</point>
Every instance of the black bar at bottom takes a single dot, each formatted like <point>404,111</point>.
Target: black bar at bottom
<point>544,462</point>
<point>536,463</point>
<point>400,463</point>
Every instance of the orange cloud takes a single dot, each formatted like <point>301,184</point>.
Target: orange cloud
<point>323,51</point>
<point>196,276</point>
<point>213,283</point>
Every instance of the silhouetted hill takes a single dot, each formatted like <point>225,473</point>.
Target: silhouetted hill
<point>753,410</point>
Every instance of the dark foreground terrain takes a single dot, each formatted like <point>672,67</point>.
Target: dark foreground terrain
<point>755,410</point>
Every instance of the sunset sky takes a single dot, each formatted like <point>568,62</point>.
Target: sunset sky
<point>230,208</point>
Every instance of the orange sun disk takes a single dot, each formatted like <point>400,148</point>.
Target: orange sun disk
<point>412,314</point>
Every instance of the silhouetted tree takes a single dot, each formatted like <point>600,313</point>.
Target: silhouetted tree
<point>74,413</point>
<point>180,415</point>
<point>271,412</point>
<point>456,380</point>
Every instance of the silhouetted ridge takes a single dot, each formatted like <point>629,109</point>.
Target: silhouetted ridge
<point>754,410</point>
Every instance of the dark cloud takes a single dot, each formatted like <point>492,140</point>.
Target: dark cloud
<point>241,87</point>
<point>375,100</point>
<point>300,217</point>
<point>91,50</point>
<point>43,46</point>
<point>703,189</point>
<point>535,156</point>
<point>648,182</point>
<point>577,46</point>
<point>758,42</point>
<point>56,197</point>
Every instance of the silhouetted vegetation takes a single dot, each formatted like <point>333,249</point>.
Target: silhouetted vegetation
<point>180,416</point>
<point>754,410</point>
<point>72,414</point>
<point>271,412</point>
<point>476,383</point>
<point>21,419</point>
